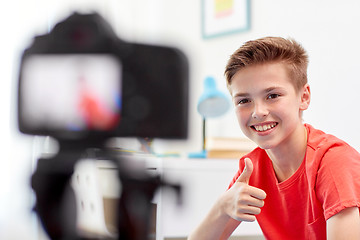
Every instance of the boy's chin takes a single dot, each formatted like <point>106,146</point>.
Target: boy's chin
<point>264,146</point>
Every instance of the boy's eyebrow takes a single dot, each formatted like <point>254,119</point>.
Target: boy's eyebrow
<point>241,95</point>
<point>271,89</point>
<point>267,90</point>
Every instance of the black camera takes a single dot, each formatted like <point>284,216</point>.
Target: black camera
<point>82,85</point>
<point>81,81</point>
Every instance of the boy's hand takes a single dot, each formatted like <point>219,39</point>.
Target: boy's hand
<point>242,201</point>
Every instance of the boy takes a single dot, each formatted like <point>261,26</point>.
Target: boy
<point>300,183</point>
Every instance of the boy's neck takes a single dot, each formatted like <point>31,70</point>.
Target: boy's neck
<point>287,158</point>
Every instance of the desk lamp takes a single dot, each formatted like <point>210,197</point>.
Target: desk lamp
<point>212,103</point>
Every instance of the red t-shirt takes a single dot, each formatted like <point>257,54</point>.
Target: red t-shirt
<point>327,181</point>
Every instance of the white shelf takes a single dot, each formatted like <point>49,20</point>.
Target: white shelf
<point>202,181</point>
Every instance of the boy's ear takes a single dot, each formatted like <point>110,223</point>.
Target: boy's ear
<point>305,97</point>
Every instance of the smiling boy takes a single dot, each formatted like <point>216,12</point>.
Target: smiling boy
<point>300,183</point>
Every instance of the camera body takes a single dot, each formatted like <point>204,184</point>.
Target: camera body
<point>81,82</point>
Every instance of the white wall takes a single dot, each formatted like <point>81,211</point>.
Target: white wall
<point>328,30</point>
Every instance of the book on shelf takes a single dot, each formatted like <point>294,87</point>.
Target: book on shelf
<point>225,154</point>
<point>224,147</point>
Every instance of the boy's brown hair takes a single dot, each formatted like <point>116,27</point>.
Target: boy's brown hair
<point>268,50</point>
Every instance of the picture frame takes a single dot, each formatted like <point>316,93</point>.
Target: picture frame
<point>223,17</point>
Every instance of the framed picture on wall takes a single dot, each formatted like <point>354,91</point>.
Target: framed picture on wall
<point>221,17</point>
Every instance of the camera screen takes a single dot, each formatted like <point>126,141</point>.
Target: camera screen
<point>71,92</point>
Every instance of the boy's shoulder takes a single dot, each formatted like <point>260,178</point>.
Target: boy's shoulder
<point>318,139</point>
<point>323,148</point>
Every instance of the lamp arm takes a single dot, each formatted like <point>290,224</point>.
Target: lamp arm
<point>203,134</point>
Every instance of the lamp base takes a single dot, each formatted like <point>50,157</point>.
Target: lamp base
<point>202,154</point>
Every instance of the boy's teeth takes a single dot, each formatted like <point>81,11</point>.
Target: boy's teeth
<point>262,128</point>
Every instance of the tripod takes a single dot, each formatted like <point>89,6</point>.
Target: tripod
<point>56,201</point>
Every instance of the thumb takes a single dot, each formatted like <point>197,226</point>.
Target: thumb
<point>246,173</point>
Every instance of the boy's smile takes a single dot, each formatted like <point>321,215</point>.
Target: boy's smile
<point>267,105</point>
<point>264,127</point>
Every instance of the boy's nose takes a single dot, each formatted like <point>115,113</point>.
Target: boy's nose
<point>260,111</point>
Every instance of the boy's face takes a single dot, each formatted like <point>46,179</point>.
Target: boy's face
<point>267,106</point>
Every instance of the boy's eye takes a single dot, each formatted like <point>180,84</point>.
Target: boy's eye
<point>273,95</point>
<point>243,101</point>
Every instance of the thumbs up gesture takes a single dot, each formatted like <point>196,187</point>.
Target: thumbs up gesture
<point>247,171</point>
<point>242,201</point>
